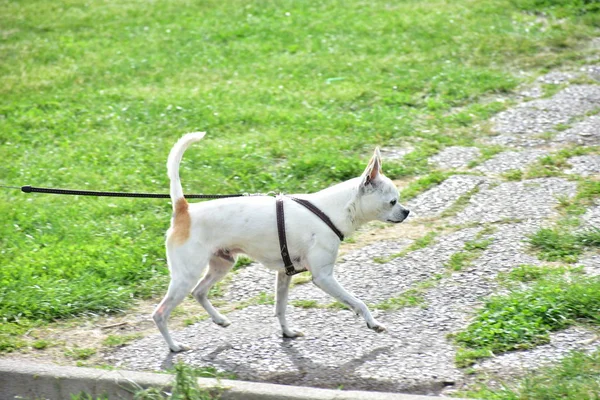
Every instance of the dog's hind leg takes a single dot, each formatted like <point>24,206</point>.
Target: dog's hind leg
<point>185,272</point>
<point>281,298</point>
<point>219,266</point>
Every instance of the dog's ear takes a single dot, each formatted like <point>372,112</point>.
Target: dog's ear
<point>373,169</point>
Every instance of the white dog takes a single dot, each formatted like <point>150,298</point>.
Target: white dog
<point>213,233</point>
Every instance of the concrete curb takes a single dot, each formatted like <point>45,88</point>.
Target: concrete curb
<point>47,381</point>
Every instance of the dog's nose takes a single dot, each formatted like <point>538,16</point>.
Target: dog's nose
<point>406,212</point>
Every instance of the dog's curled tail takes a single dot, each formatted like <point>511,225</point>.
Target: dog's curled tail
<point>176,191</point>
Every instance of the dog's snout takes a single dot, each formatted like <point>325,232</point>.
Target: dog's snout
<point>405,212</point>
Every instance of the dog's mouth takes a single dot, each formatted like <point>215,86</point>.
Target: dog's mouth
<point>395,222</point>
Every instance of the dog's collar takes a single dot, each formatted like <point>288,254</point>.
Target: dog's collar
<point>285,255</point>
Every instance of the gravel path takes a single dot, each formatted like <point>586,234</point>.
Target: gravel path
<point>415,354</point>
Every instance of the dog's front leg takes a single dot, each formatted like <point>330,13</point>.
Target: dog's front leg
<point>281,298</point>
<point>323,278</point>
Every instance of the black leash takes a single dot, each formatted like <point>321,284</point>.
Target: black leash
<point>33,189</point>
<point>289,265</point>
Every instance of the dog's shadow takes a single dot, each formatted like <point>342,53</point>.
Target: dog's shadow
<point>308,372</point>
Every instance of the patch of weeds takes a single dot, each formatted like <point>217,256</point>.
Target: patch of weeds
<point>422,184</point>
<point>87,396</point>
<point>467,357</point>
<point>261,299</point>
<point>41,344</point>
<point>305,303</point>
<point>471,251</point>
<point>186,385</point>
<point>265,298</point>
<point>546,166</point>
<point>587,191</point>
<point>217,289</point>
<point>554,164</point>
<point>11,333</point>
<point>593,111</point>
<point>336,305</point>
<point>487,152</point>
<point>408,298</point>
<point>575,377</point>
<point>589,237</point>
<point>209,372</point>
<point>121,340</point>
<point>561,127</point>
<point>80,353</point>
<point>301,279</point>
<point>583,80</point>
<point>487,230</point>
<point>241,262</point>
<point>195,319</point>
<point>513,175</point>
<point>558,244</point>
<point>460,203</point>
<point>550,90</point>
<point>528,273</point>
<point>548,135</point>
<point>420,243</point>
<point>523,318</point>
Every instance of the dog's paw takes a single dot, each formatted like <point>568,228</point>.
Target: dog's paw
<point>178,347</point>
<point>223,321</point>
<point>377,327</point>
<point>290,334</point>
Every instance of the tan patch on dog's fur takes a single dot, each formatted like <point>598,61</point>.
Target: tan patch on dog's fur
<point>181,222</point>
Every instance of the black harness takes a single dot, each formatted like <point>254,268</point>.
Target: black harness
<point>285,255</point>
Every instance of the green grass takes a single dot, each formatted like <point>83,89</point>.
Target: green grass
<point>208,372</point>
<point>242,262</point>
<point>587,192</point>
<point>487,152</point>
<point>294,96</point>
<point>185,385</point>
<point>566,241</point>
<point>558,244</point>
<point>524,318</point>
<point>408,298</point>
<point>80,353</point>
<point>575,377</point>
<point>513,175</point>
<point>41,344</point>
<point>554,164</point>
<point>553,244</point>
<point>460,203</point>
<point>305,303</point>
<point>422,184</point>
<point>471,251</point>
<point>528,273</point>
<point>412,297</point>
<point>419,243</point>
<point>301,279</point>
<point>120,340</point>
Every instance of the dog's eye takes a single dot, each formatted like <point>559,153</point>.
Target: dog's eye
<point>393,202</point>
